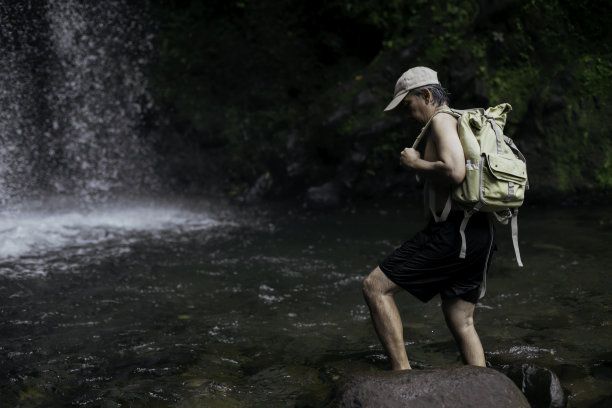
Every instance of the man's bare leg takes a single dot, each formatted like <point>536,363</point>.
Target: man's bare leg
<point>459,315</point>
<point>378,291</point>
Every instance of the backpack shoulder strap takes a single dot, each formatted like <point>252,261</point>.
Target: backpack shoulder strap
<point>426,127</point>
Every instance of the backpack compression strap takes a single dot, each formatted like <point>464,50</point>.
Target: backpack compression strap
<point>514,228</point>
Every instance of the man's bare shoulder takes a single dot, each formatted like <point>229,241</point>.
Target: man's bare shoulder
<point>444,118</point>
<point>444,124</point>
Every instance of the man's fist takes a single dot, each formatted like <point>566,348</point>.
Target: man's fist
<point>408,156</point>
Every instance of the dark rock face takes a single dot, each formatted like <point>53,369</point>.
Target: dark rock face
<point>540,385</point>
<point>466,386</point>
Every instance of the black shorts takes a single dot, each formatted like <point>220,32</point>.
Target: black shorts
<point>429,263</point>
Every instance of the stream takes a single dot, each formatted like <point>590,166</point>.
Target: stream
<point>190,303</point>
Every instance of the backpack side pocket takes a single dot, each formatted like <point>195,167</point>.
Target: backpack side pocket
<point>504,180</point>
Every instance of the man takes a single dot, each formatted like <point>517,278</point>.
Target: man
<point>429,263</point>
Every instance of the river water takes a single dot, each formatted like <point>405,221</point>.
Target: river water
<point>195,303</point>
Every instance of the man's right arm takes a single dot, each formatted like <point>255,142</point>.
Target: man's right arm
<point>450,167</point>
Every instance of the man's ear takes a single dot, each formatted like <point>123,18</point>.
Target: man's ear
<point>427,96</point>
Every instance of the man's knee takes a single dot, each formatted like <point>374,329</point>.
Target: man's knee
<point>369,286</point>
<point>377,284</point>
<point>459,314</point>
<point>462,324</point>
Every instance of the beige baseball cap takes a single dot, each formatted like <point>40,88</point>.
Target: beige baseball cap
<point>411,79</point>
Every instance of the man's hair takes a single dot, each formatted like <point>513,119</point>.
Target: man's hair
<point>440,94</point>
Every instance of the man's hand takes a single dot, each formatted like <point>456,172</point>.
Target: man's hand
<point>408,157</point>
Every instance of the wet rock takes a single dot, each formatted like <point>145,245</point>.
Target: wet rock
<point>330,194</point>
<point>466,386</point>
<point>540,385</point>
<point>260,189</point>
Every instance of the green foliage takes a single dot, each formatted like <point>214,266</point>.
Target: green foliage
<point>581,145</point>
<point>517,85</point>
<point>244,75</point>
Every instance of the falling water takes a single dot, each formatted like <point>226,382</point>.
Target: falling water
<point>73,97</point>
<point>76,168</point>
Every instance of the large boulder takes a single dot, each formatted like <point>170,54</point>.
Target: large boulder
<point>466,386</point>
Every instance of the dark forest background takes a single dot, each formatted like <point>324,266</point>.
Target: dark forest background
<point>284,98</point>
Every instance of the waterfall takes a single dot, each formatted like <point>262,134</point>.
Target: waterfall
<point>73,99</point>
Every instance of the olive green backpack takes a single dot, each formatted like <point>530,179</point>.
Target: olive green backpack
<point>496,172</point>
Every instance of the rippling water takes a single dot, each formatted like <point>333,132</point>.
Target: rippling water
<point>194,304</point>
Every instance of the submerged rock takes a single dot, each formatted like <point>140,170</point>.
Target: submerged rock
<point>466,386</point>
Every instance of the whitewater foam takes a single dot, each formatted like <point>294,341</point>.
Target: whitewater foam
<point>34,233</point>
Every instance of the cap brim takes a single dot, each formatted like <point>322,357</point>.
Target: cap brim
<point>396,101</point>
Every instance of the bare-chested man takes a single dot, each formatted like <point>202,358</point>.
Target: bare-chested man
<point>429,262</point>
